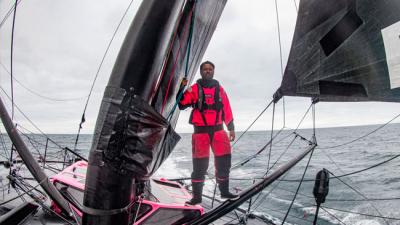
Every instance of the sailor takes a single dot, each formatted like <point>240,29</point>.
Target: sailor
<point>211,109</point>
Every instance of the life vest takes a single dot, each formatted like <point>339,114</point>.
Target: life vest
<point>205,102</point>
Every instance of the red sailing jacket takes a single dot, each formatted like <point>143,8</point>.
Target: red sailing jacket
<point>212,108</point>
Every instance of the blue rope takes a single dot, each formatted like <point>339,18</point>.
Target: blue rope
<point>182,89</point>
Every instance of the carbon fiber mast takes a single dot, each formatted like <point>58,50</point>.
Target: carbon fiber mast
<point>132,136</point>
<point>30,161</point>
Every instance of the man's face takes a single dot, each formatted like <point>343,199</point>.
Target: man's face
<point>207,72</point>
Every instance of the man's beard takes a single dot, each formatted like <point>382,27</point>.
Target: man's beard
<point>208,76</point>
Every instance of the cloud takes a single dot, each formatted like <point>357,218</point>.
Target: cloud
<point>59,45</point>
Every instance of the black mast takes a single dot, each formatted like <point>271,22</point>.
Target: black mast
<point>30,161</point>
<point>132,136</point>
<point>110,186</point>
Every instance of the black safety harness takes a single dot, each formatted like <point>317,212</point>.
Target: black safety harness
<point>201,105</point>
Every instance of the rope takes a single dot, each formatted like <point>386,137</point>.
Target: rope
<point>138,209</point>
<point>304,116</point>
<point>362,214</point>
<point>248,159</point>
<point>363,136</point>
<point>25,192</point>
<point>305,170</point>
<point>8,14</point>
<point>3,143</point>
<point>357,171</point>
<point>26,117</point>
<point>309,180</point>
<point>258,204</point>
<point>29,120</point>
<point>176,58</point>
<point>333,216</point>
<point>344,200</point>
<point>272,132</point>
<point>247,129</point>
<point>245,161</point>
<point>189,43</point>
<point>280,56</point>
<point>358,192</point>
<point>298,187</point>
<point>295,5</point>
<point>36,93</point>
<point>98,72</point>
<point>283,153</point>
<point>12,60</point>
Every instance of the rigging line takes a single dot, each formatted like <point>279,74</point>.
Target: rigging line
<point>362,214</point>
<point>280,56</point>
<point>354,172</point>
<point>3,143</point>
<point>25,116</point>
<point>313,118</point>
<point>98,71</point>
<point>283,213</point>
<point>283,153</point>
<point>361,194</point>
<point>43,205</point>
<point>12,60</point>
<point>19,125</point>
<point>272,132</point>
<point>361,200</point>
<point>298,125</point>
<point>247,129</point>
<point>258,204</point>
<point>34,142</point>
<point>36,93</point>
<point>8,14</point>
<point>295,5</point>
<point>298,187</point>
<point>57,145</point>
<point>31,122</point>
<point>334,163</point>
<point>33,145</point>
<point>245,161</point>
<point>170,45</point>
<point>189,44</point>
<point>18,196</point>
<point>363,136</point>
<point>171,74</point>
<point>343,200</point>
<point>304,116</point>
<point>25,184</point>
<point>331,214</point>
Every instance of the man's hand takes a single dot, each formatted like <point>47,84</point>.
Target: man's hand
<point>184,82</point>
<point>231,135</point>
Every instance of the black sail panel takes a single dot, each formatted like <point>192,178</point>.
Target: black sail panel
<point>345,50</point>
<point>186,50</point>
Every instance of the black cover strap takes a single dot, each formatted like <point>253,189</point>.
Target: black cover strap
<point>207,129</point>
<point>106,212</point>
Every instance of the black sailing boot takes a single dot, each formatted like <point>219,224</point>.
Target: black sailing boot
<point>197,193</point>
<point>224,189</point>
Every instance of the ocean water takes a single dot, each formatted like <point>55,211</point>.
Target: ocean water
<point>352,199</point>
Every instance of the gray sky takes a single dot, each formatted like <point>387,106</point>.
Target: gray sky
<point>59,45</point>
